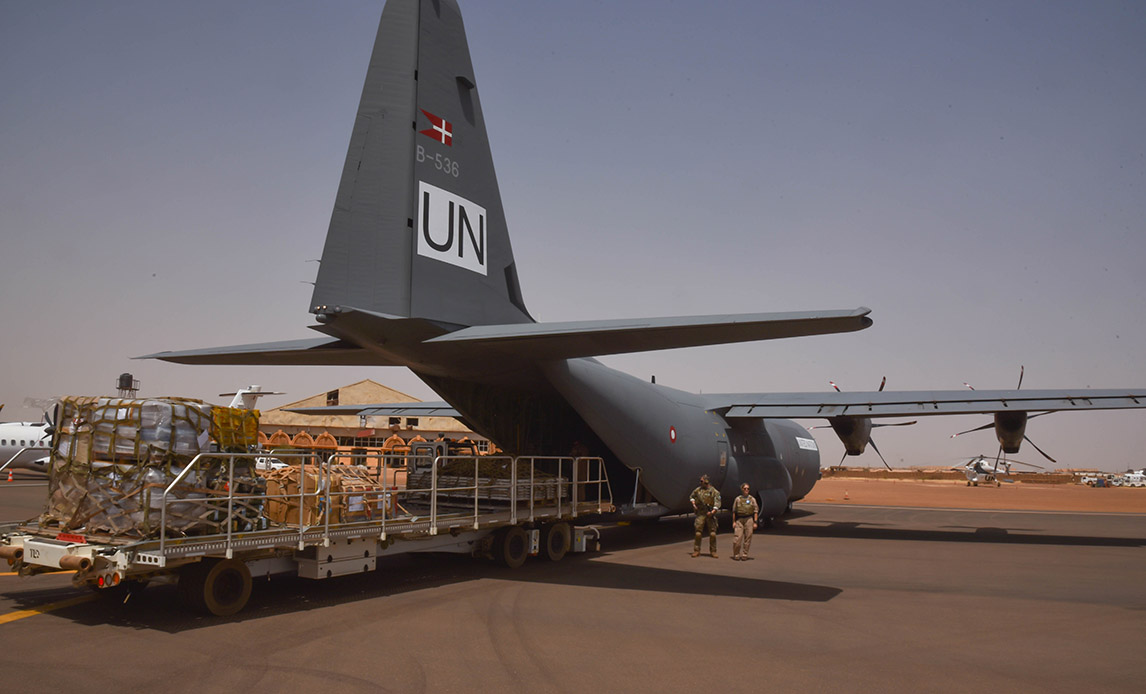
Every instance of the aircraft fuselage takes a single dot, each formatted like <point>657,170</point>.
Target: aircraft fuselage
<point>663,437</point>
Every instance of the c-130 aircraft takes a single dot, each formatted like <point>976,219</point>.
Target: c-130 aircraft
<point>418,271</point>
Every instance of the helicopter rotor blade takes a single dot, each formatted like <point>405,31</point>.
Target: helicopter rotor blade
<point>1019,462</point>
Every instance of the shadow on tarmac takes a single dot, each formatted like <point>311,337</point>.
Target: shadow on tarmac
<point>949,533</point>
<point>159,607</point>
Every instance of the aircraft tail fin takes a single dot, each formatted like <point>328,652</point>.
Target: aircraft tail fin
<point>418,229</point>
<point>248,398</point>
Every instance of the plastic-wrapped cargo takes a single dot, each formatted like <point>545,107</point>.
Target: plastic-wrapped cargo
<point>112,458</point>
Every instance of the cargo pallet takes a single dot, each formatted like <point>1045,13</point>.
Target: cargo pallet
<point>528,510</point>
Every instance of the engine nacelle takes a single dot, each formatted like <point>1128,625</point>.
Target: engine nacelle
<point>1010,429</point>
<point>854,432</point>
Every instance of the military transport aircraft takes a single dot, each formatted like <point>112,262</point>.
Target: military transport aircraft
<point>418,271</point>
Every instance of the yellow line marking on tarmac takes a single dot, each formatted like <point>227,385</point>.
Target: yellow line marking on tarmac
<point>13,573</point>
<point>21,614</point>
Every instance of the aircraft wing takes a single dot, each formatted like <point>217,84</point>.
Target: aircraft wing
<point>544,341</point>
<point>311,352</point>
<point>918,403</point>
<point>393,409</point>
<point>532,341</point>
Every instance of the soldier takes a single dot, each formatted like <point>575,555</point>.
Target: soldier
<point>706,502</point>
<point>745,511</point>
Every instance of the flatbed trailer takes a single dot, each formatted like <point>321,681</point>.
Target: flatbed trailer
<point>531,506</point>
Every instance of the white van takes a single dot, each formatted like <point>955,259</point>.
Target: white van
<point>1134,479</point>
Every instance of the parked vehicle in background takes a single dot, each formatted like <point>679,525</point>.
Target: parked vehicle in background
<point>1134,479</point>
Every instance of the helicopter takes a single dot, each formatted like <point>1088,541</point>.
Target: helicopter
<point>982,468</point>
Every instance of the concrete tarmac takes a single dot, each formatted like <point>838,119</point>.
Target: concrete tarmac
<point>837,599</point>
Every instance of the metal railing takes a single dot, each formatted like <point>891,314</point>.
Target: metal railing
<point>391,485</point>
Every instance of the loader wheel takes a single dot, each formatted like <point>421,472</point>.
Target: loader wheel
<point>556,539</point>
<point>216,586</point>
<point>511,547</point>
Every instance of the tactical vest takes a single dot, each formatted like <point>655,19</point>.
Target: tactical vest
<point>706,499</point>
<point>744,506</point>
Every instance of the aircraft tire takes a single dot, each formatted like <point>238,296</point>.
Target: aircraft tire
<point>556,538</point>
<point>511,547</point>
<point>220,587</point>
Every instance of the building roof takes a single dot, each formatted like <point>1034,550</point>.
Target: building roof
<point>364,392</point>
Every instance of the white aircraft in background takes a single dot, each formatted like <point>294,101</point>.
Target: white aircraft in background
<point>982,468</point>
<point>246,398</point>
<point>25,444</point>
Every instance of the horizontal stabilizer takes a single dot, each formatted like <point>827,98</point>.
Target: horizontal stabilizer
<point>920,403</point>
<point>313,352</point>
<point>392,409</point>
<point>544,341</point>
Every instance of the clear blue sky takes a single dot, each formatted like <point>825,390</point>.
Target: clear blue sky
<point>975,172</point>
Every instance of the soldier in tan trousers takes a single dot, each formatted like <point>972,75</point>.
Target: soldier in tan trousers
<point>745,511</point>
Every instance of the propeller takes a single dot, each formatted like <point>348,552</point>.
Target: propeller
<point>848,428</point>
<point>999,455</point>
<point>50,418</point>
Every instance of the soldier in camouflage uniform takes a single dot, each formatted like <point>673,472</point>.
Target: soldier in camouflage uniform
<point>745,511</point>
<point>706,502</point>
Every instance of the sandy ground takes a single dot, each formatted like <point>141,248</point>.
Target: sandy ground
<point>956,494</point>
